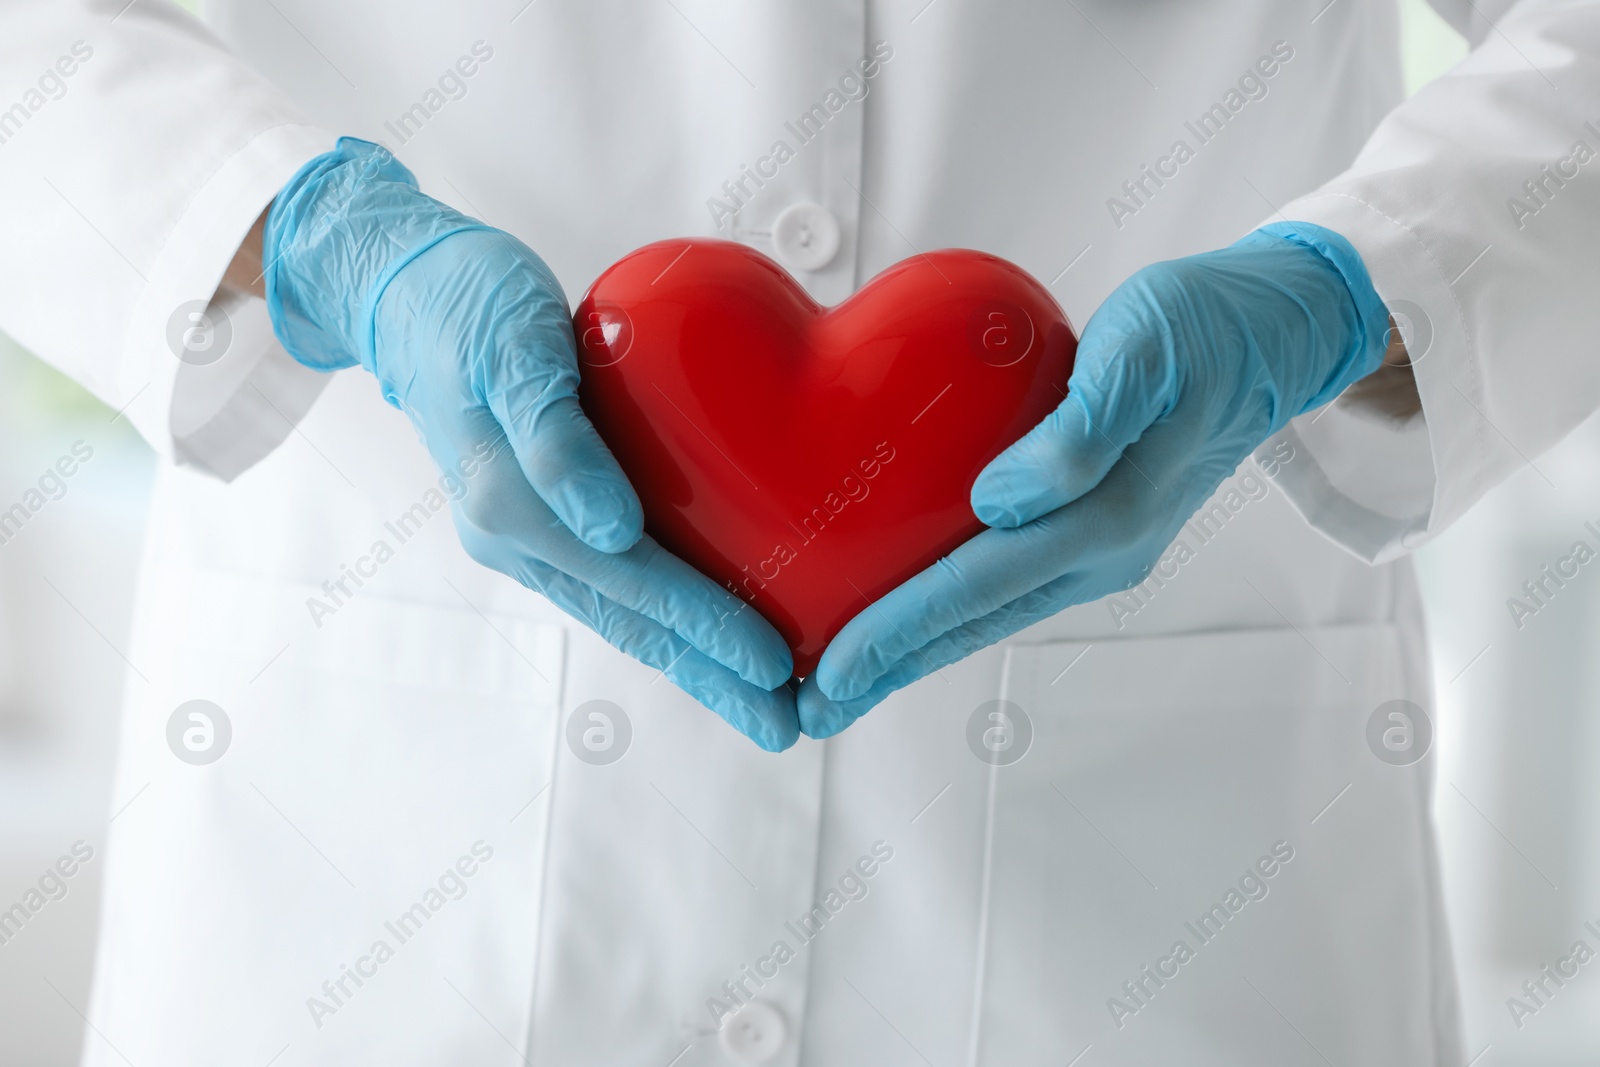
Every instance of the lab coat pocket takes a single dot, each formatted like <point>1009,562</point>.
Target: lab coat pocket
<point>1200,852</point>
<point>346,838</point>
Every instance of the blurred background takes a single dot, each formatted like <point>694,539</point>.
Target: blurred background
<point>1517,802</point>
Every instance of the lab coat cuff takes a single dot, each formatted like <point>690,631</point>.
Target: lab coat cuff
<point>207,383</point>
<point>1377,484</point>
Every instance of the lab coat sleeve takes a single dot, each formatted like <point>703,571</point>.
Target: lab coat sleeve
<point>1476,206</point>
<point>135,153</point>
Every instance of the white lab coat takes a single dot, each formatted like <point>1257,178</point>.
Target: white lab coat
<point>1179,738</point>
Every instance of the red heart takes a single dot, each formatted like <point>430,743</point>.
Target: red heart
<point>813,459</point>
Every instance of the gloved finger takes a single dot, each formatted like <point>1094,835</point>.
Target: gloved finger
<point>821,717</point>
<point>659,585</point>
<point>499,336</point>
<point>507,526</point>
<point>1121,383</point>
<point>569,466</point>
<point>532,389</point>
<point>981,576</point>
<point>767,717</point>
<point>1102,542</point>
<point>1122,521</point>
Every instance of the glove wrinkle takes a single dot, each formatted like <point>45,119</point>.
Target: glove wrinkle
<point>1183,371</point>
<point>468,333</point>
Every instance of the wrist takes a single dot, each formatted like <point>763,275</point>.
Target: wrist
<point>245,274</point>
<point>334,238</point>
<point>1361,323</point>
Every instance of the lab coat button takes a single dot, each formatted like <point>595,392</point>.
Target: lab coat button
<point>756,1034</point>
<point>806,236</point>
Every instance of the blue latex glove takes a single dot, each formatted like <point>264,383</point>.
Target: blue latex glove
<point>1185,369</point>
<point>468,333</point>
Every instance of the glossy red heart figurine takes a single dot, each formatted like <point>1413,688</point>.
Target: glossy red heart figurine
<point>813,459</point>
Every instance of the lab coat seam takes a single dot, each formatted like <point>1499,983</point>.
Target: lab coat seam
<point>852,218</point>
<point>280,581</point>
<point>803,989</point>
<point>539,955</point>
<point>290,590</point>
<point>1416,682</point>
<point>1234,631</point>
<point>980,961</point>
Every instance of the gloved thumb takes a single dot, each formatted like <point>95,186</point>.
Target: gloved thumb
<point>1118,388</point>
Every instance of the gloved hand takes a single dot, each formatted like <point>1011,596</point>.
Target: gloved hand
<point>1185,369</point>
<point>468,333</point>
